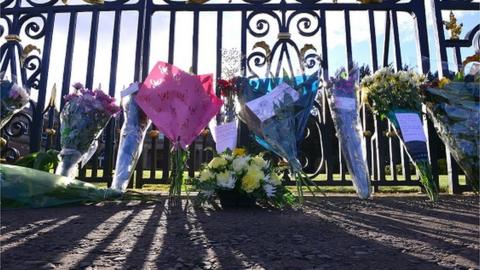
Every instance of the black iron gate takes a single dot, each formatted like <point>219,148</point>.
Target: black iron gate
<point>284,34</point>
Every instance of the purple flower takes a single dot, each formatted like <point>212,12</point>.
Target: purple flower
<point>77,86</point>
<point>13,94</point>
<point>86,91</point>
<point>104,98</point>
<point>70,97</point>
<point>112,108</point>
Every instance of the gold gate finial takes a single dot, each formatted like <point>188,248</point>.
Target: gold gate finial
<point>454,28</point>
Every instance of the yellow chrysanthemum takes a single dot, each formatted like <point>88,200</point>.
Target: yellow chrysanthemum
<point>238,152</point>
<point>259,161</point>
<point>444,81</point>
<point>251,180</point>
<point>217,162</point>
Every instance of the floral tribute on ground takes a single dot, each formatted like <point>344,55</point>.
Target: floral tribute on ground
<point>453,106</point>
<point>14,99</point>
<point>341,93</point>
<point>180,105</point>
<point>239,179</point>
<point>277,110</point>
<point>395,95</point>
<point>82,120</point>
<point>25,187</point>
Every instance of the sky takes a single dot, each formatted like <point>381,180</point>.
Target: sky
<point>231,39</point>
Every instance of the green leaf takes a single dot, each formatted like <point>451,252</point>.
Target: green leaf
<point>43,161</point>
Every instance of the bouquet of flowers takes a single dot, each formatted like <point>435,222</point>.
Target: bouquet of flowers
<point>228,91</point>
<point>132,135</point>
<point>239,179</point>
<point>13,99</point>
<point>394,95</point>
<point>180,105</point>
<point>82,120</point>
<point>26,187</point>
<point>453,107</point>
<point>344,109</point>
<point>225,133</point>
<point>277,110</point>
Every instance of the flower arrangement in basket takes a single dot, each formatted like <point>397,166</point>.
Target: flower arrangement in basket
<point>239,179</point>
<point>395,95</point>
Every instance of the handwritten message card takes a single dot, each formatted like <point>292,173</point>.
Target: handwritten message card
<point>225,136</point>
<point>344,103</point>
<point>411,127</point>
<point>263,107</point>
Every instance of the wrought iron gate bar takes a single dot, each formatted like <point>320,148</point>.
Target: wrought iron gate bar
<point>112,6</point>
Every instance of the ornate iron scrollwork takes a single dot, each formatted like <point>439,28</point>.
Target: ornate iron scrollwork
<point>17,127</point>
<point>269,60</point>
<point>14,55</point>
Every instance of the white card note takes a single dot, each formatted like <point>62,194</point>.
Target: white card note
<point>225,136</point>
<point>263,107</point>
<point>411,127</point>
<point>345,103</point>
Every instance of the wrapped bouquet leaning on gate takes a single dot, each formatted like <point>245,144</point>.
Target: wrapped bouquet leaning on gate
<point>454,107</point>
<point>14,99</point>
<point>341,93</point>
<point>395,95</point>
<point>132,135</point>
<point>180,105</point>
<point>82,120</point>
<point>239,179</point>
<point>277,110</point>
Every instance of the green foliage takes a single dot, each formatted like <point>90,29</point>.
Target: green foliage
<point>179,159</point>
<point>43,161</point>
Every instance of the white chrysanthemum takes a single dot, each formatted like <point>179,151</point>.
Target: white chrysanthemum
<point>225,180</point>
<point>227,157</point>
<point>269,190</point>
<point>217,162</point>
<point>404,76</point>
<point>239,164</point>
<point>368,80</point>
<point>206,175</point>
